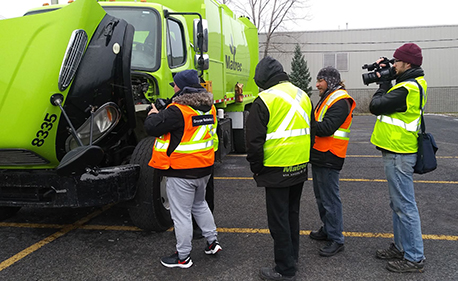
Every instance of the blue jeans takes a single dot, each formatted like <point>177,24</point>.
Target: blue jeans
<point>406,219</point>
<point>326,188</point>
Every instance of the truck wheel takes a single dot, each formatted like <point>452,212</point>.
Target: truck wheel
<point>240,136</point>
<point>7,212</point>
<point>151,209</point>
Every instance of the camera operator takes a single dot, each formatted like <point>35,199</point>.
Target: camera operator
<point>395,134</point>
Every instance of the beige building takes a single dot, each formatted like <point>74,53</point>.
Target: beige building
<point>348,50</point>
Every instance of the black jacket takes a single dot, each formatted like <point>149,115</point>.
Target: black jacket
<point>395,101</point>
<point>335,116</point>
<point>256,135</point>
<point>171,120</point>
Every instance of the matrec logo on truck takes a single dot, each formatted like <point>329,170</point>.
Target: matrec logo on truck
<point>231,63</point>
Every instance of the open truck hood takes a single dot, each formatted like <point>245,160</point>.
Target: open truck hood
<point>32,52</point>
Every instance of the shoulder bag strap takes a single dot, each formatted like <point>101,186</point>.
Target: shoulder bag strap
<point>423,126</point>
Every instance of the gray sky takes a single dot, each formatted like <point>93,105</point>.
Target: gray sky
<point>333,14</point>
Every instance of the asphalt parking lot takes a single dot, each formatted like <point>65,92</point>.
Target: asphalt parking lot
<point>103,244</point>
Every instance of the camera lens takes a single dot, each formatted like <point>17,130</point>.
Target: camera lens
<point>370,77</point>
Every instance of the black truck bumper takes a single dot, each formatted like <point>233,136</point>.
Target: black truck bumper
<point>44,188</point>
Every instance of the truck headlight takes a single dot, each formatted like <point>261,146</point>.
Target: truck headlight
<point>104,120</point>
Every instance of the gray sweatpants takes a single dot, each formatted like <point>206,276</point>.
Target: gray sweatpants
<point>186,197</point>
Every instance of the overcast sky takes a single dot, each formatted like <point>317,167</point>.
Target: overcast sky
<point>333,14</point>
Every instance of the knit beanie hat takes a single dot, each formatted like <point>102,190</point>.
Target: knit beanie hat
<point>186,78</point>
<point>410,53</point>
<point>330,75</point>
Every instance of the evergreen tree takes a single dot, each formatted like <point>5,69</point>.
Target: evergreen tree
<point>300,74</point>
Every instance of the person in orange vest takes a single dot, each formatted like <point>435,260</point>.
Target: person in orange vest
<point>333,115</point>
<point>184,152</point>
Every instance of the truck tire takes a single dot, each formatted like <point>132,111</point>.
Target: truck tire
<point>151,208</point>
<point>7,212</point>
<point>240,135</point>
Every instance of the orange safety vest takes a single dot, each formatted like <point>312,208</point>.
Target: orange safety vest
<point>196,148</point>
<point>338,142</point>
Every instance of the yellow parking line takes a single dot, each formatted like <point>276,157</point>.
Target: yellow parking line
<point>345,233</point>
<point>31,225</point>
<point>80,225</point>
<point>221,229</point>
<point>111,227</point>
<point>50,238</point>
<point>355,180</point>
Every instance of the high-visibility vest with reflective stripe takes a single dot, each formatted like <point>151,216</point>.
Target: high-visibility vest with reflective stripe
<point>337,143</point>
<point>398,132</point>
<point>288,130</point>
<point>197,146</point>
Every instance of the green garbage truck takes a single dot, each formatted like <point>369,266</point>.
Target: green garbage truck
<point>76,81</point>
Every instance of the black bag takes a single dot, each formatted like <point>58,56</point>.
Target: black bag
<point>426,154</point>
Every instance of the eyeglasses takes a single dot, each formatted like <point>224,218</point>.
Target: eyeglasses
<point>396,60</point>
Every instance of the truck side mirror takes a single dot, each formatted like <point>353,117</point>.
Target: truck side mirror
<point>202,62</point>
<point>200,35</point>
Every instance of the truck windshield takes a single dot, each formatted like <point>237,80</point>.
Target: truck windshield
<point>146,46</point>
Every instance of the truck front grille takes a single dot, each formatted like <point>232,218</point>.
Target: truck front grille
<point>20,157</point>
<point>73,55</point>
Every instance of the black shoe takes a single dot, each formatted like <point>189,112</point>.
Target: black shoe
<point>213,248</point>
<point>402,266</point>
<point>267,273</point>
<point>319,234</point>
<point>392,253</point>
<point>174,261</point>
<point>331,249</point>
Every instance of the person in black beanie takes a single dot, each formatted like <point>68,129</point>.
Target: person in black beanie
<point>395,135</point>
<point>280,130</point>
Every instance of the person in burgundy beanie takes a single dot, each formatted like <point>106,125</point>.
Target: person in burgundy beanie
<point>395,135</point>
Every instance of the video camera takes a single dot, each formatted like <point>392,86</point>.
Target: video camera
<point>160,104</point>
<point>387,72</point>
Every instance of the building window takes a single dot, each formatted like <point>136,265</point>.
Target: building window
<point>336,60</point>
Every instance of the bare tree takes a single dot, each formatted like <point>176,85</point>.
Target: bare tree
<point>225,2</point>
<point>270,16</point>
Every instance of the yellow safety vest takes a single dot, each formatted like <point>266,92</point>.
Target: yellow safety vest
<point>398,132</point>
<point>288,131</point>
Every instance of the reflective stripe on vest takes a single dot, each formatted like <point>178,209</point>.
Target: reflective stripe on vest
<point>193,151</point>
<point>413,126</point>
<point>397,132</point>
<point>343,134</point>
<point>336,95</point>
<point>198,143</point>
<point>336,143</point>
<point>281,131</point>
<point>288,130</point>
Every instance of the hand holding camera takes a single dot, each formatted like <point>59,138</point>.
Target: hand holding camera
<point>158,105</point>
<point>383,71</point>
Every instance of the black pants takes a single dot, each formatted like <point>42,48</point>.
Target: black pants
<point>283,218</point>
